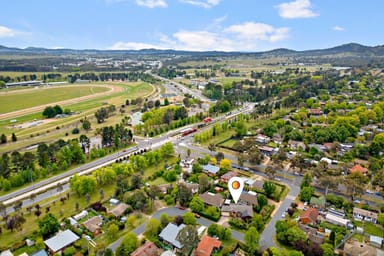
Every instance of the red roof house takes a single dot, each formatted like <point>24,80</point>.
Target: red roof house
<point>309,216</point>
<point>206,246</point>
<point>358,168</point>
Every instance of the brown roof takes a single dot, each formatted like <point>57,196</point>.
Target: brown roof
<point>365,213</point>
<point>358,168</point>
<point>310,214</point>
<point>315,111</point>
<point>206,246</point>
<point>119,210</point>
<point>228,175</point>
<point>242,210</point>
<point>147,249</point>
<point>93,223</point>
<point>212,199</point>
<point>249,198</point>
<point>258,184</point>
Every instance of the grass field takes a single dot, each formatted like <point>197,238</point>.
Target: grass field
<point>17,100</point>
<point>47,132</point>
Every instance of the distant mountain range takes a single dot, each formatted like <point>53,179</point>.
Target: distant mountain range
<point>351,49</point>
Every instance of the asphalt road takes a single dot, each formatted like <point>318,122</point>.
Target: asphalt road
<point>173,211</point>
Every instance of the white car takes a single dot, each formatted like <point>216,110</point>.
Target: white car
<point>283,215</point>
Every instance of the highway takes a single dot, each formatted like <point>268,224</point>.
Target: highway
<point>183,88</point>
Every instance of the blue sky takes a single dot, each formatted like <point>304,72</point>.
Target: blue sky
<point>229,25</point>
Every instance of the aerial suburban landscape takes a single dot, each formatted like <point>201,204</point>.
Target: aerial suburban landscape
<point>191,127</point>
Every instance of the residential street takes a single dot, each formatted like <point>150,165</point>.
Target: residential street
<point>173,211</point>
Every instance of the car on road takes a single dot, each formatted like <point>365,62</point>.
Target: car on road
<point>283,215</point>
<point>197,215</point>
<point>181,208</point>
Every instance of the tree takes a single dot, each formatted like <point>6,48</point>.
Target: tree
<point>262,200</point>
<point>189,238</point>
<point>128,245</point>
<point>152,229</point>
<point>112,231</point>
<point>185,195</point>
<point>136,182</point>
<point>48,225</point>
<point>164,220</point>
<point>269,188</point>
<point>83,185</point>
<point>189,219</point>
<point>307,180</point>
<point>295,234</point>
<point>204,183</point>
<point>306,193</point>
<point>196,204</point>
<point>189,152</point>
<point>14,138</point>
<point>327,249</point>
<point>270,172</point>
<point>3,139</point>
<point>356,182</point>
<point>251,240</point>
<point>225,164</point>
<point>257,222</point>
<point>86,125</point>
<point>157,103</point>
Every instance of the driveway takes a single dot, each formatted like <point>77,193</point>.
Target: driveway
<point>173,211</point>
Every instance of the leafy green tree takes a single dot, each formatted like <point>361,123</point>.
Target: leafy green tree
<point>204,183</point>
<point>295,234</point>
<point>14,138</point>
<point>306,193</point>
<point>152,229</point>
<point>48,225</point>
<point>3,139</point>
<point>86,125</point>
<point>327,249</point>
<point>112,231</point>
<point>185,195</point>
<point>196,204</point>
<point>262,200</point>
<point>164,220</point>
<point>189,238</point>
<point>269,188</point>
<point>83,185</point>
<point>307,180</point>
<point>128,245</point>
<point>189,218</point>
<point>251,240</point>
<point>257,222</point>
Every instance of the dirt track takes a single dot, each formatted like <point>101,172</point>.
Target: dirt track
<point>13,114</point>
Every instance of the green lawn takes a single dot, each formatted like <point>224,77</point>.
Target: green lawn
<point>373,229</point>
<point>8,238</point>
<point>229,143</point>
<point>31,98</point>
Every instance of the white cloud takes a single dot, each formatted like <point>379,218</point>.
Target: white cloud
<point>296,9</point>
<point>7,32</point>
<point>258,31</point>
<point>152,3</point>
<point>205,4</point>
<point>134,46</point>
<point>238,37</point>
<point>338,28</point>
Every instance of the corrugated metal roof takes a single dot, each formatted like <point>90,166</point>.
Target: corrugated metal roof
<point>61,240</point>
